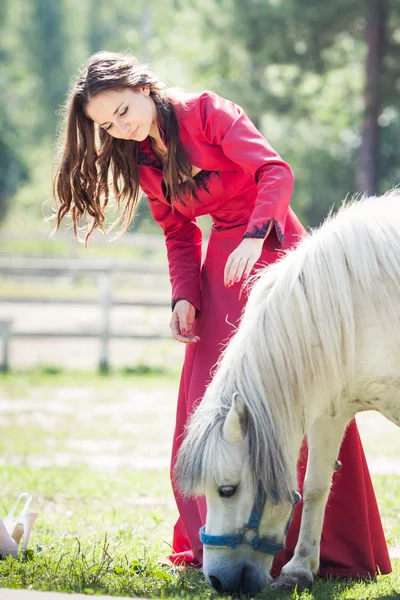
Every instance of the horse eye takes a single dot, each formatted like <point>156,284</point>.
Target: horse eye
<point>227,491</point>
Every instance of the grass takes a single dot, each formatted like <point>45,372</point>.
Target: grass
<point>106,530</point>
<point>48,376</point>
<point>57,248</point>
<point>107,533</point>
<point>387,489</point>
<point>86,287</point>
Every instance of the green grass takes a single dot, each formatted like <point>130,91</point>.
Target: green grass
<point>139,375</point>
<point>57,248</point>
<point>109,532</point>
<point>85,287</point>
<point>380,436</point>
<point>387,491</point>
<point>106,530</point>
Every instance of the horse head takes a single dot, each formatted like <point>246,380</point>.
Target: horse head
<point>246,523</point>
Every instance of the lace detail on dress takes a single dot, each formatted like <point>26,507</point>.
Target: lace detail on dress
<point>261,231</point>
<point>202,180</point>
<point>279,232</point>
<point>146,158</point>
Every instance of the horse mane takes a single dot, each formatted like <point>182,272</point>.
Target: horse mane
<point>296,341</point>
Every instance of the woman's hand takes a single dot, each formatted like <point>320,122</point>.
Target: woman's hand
<point>182,322</point>
<point>241,261</point>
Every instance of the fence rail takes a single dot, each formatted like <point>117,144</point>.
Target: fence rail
<point>83,301</point>
<point>104,272</point>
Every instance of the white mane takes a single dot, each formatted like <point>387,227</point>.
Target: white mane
<point>297,336</point>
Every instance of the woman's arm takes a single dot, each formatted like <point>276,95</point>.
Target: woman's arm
<point>225,124</point>
<point>183,240</point>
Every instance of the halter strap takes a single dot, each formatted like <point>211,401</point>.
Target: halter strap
<point>248,534</point>
<point>258,507</point>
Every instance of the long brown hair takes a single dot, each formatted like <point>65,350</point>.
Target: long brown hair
<point>86,158</point>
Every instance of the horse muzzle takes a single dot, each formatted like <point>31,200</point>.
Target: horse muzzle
<point>245,578</point>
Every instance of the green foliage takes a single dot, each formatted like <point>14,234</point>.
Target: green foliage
<point>46,43</point>
<point>143,369</point>
<point>302,63</point>
<point>389,164</point>
<point>12,165</point>
<point>12,169</point>
<point>296,64</point>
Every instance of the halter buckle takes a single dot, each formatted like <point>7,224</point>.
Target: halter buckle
<point>249,535</point>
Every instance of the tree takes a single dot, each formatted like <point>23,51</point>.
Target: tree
<point>47,45</point>
<point>375,39</point>
<point>12,166</point>
<point>304,62</point>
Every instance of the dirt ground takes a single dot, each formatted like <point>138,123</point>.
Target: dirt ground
<point>380,437</point>
<point>130,427</point>
<point>121,428</point>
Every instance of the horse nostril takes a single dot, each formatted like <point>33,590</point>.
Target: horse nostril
<point>216,584</point>
<point>250,583</point>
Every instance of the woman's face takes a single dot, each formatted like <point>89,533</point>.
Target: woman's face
<point>127,114</point>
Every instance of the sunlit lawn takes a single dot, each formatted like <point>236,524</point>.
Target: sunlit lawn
<point>79,443</point>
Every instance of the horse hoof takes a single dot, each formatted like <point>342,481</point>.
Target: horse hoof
<point>286,581</point>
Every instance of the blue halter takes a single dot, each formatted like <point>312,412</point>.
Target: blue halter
<point>248,534</point>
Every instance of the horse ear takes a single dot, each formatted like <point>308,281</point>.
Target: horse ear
<point>235,424</point>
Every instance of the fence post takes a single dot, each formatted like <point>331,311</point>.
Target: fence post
<point>5,334</point>
<point>105,290</point>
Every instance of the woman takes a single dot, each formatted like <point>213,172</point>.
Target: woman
<point>194,155</point>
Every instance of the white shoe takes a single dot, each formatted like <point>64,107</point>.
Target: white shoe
<point>8,546</point>
<point>13,528</point>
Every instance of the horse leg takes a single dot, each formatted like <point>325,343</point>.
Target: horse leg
<point>324,439</point>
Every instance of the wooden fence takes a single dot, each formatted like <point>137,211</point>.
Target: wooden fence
<point>104,272</point>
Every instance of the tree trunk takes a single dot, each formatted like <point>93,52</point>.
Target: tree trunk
<point>375,34</point>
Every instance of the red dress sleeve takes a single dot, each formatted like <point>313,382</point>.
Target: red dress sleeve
<point>183,240</point>
<point>225,124</point>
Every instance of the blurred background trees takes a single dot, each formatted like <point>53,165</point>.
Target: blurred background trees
<point>321,81</point>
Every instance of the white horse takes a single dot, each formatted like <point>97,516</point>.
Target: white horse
<point>318,342</point>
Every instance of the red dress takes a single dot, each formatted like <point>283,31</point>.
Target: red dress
<point>243,185</point>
